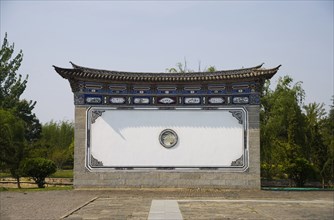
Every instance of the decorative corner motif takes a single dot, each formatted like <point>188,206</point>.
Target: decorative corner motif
<point>94,162</point>
<point>95,115</point>
<point>238,115</point>
<point>79,99</point>
<point>239,162</point>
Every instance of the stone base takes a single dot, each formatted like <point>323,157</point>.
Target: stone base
<point>138,179</point>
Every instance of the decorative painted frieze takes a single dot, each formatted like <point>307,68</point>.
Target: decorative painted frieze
<point>216,100</point>
<point>240,100</point>
<point>117,89</point>
<point>216,89</point>
<point>241,88</point>
<point>254,99</point>
<point>141,90</point>
<point>166,89</point>
<point>167,100</point>
<point>227,87</point>
<point>192,100</point>
<point>143,101</point>
<point>93,100</point>
<point>117,100</point>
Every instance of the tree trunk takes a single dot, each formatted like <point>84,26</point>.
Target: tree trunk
<point>18,182</point>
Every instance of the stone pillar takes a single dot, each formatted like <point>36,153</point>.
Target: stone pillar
<point>79,145</point>
<point>254,146</point>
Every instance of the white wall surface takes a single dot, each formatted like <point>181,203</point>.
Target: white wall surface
<point>206,138</point>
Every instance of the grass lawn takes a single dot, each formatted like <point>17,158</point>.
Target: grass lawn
<point>62,174</point>
<point>2,189</point>
<point>57,174</point>
<point>4,175</point>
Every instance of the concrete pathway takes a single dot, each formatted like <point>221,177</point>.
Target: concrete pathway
<point>164,209</point>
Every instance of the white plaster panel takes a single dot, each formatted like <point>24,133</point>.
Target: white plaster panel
<point>206,138</point>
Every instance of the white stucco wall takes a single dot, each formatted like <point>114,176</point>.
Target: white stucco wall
<point>206,138</point>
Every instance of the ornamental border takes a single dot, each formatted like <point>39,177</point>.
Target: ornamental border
<point>238,165</point>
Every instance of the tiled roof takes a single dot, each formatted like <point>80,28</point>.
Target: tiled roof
<point>84,73</point>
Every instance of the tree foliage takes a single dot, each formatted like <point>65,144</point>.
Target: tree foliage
<point>183,68</point>
<point>55,143</point>
<point>20,126</point>
<point>299,170</point>
<point>282,122</point>
<point>293,141</point>
<point>12,143</point>
<point>12,86</point>
<point>325,158</point>
<point>38,168</point>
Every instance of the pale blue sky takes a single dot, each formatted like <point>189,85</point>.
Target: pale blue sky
<point>154,35</point>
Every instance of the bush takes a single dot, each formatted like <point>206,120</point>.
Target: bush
<point>39,168</point>
<point>299,171</point>
<point>271,171</point>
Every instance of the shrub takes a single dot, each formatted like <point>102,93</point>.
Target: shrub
<point>271,171</point>
<point>299,171</point>
<point>39,168</point>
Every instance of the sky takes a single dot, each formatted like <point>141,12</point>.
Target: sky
<point>150,36</point>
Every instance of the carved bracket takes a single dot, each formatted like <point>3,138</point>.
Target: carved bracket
<point>238,115</point>
<point>95,115</point>
<point>94,162</point>
<point>239,162</point>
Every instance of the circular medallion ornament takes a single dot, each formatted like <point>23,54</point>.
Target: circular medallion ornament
<point>168,138</point>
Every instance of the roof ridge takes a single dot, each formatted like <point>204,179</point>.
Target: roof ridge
<point>75,66</point>
<point>83,72</point>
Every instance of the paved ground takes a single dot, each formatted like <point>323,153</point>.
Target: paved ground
<point>167,204</point>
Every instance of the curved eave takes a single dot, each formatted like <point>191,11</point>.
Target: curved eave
<point>83,73</point>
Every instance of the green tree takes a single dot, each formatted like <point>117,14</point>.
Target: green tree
<point>55,143</point>
<point>327,132</point>
<point>60,156</point>
<point>182,68</point>
<point>211,69</point>
<point>17,117</point>
<point>294,142</point>
<point>12,143</point>
<point>314,113</point>
<point>300,170</point>
<point>12,86</point>
<point>282,126</point>
<point>38,169</point>
<point>316,149</point>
